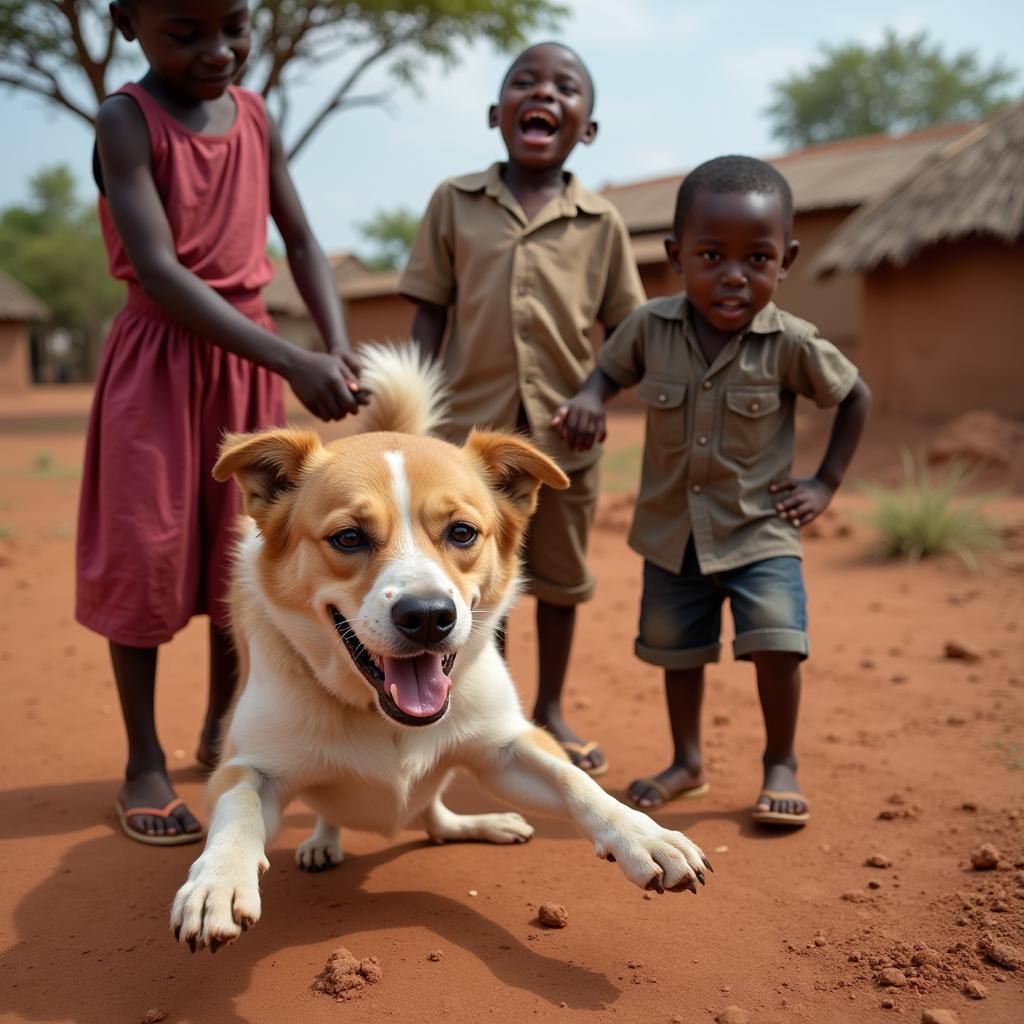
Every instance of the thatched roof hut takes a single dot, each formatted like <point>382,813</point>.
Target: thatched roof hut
<point>971,187</point>
<point>17,303</point>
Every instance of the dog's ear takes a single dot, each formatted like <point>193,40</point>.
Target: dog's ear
<point>266,465</point>
<point>514,468</point>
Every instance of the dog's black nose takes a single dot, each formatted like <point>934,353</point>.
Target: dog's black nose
<point>427,620</point>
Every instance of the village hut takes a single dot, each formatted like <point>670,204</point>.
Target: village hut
<point>941,256</point>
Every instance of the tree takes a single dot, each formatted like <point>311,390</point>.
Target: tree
<point>54,248</point>
<point>901,85</point>
<point>66,50</point>
<point>391,232</point>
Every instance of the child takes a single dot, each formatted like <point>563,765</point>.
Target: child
<point>510,268</point>
<point>718,514</point>
<point>189,167</point>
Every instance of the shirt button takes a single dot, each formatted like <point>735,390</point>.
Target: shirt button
<point>662,397</point>
<point>697,488</point>
<point>703,439</point>
<point>706,385</point>
<point>755,406</point>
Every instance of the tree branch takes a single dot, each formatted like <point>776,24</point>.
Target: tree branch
<point>53,93</point>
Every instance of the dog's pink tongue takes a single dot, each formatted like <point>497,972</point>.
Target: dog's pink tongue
<point>417,685</point>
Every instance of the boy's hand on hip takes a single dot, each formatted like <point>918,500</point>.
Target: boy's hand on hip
<point>800,500</point>
<point>581,423</point>
<point>325,384</point>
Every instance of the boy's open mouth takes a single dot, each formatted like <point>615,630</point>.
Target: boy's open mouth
<point>413,690</point>
<point>538,124</point>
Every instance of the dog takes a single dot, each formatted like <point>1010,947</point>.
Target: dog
<point>371,575</point>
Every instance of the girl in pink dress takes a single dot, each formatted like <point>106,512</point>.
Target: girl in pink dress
<point>189,167</point>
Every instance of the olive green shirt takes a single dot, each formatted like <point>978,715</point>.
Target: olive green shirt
<point>522,296</point>
<point>718,435</point>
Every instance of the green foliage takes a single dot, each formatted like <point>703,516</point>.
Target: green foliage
<point>928,515</point>
<point>896,87</point>
<point>53,246</point>
<point>391,233</point>
<point>64,51</point>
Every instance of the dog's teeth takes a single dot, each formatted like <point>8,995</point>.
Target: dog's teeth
<point>394,693</point>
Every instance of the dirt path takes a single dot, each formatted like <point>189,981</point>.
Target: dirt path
<point>905,754</point>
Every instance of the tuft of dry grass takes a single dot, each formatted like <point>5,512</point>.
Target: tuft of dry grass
<point>929,514</point>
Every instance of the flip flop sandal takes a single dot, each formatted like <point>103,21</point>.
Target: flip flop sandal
<point>770,817</point>
<point>664,794</point>
<point>577,751</point>
<point>123,814</point>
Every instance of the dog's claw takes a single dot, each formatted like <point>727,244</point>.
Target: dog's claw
<point>214,945</point>
<point>707,864</point>
<point>656,884</point>
<point>177,933</point>
<point>610,857</point>
<point>700,878</point>
<point>192,945</point>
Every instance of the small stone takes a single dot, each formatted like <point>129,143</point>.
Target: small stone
<point>154,1016</point>
<point>1001,953</point>
<point>554,915</point>
<point>888,1003</point>
<point>939,1017</point>
<point>892,977</point>
<point>634,965</point>
<point>855,896</point>
<point>955,720</point>
<point>435,955</point>
<point>734,1015</point>
<point>874,884</point>
<point>472,892</point>
<point>968,805</point>
<point>820,940</point>
<point>878,860</point>
<point>721,849</point>
<point>960,652</point>
<point>985,858</point>
<point>975,990</point>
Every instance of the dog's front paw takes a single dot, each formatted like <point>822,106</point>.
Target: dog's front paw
<point>220,900</point>
<point>652,857</point>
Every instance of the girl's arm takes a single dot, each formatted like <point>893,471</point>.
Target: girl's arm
<point>309,267</point>
<point>319,380</point>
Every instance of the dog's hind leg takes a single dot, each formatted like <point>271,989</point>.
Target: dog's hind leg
<point>445,826</point>
<point>322,850</point>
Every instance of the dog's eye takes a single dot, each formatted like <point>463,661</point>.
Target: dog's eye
<point>349,539</point>
<point>462,535</point>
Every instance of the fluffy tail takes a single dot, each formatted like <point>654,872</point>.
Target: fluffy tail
<point>408,394</point>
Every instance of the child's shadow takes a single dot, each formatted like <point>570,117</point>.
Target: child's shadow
<point>95,934</point>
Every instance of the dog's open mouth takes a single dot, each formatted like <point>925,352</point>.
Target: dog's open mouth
<point>413,690</point>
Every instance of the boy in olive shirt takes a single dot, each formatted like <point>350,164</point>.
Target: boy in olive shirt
<point>719,368</point>
<point>509,270</point>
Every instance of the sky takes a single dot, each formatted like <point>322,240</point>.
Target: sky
<point>678,82</point>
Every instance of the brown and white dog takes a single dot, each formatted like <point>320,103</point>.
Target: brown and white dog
<point>370,579</point>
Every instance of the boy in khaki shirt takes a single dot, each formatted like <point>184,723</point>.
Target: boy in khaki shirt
<point>719,514</point>
<point>509,270</point>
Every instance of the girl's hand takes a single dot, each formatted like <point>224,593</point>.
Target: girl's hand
<point>353,369</point>
<point>581,422</point>
<point>326,383</point>
<point>805,498</point>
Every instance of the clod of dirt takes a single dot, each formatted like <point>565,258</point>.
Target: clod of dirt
<point>734,1015</point>
<point>1001,953</point>
<point>939,1017</point>
<point>855,896</point>
<point>878,860</point>
<point>979,436</point>
<point>435,955</point>
<point>957,651</point>
<point>554,915</point>
<point>154,1016</point>
<point>985,858</point>
<point>343,975</point>
<point>892,977</point>
<point>975,989</point>
<point>888,1003</point>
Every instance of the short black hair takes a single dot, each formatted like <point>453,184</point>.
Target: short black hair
<point>731,174</point>
<point>562,46</point>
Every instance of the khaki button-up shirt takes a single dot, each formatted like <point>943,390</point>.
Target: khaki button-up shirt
<point>718,435</point>
<point>522,296</point>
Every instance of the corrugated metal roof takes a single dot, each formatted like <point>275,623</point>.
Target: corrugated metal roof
<point>18,303</point>
<point>831,175</point>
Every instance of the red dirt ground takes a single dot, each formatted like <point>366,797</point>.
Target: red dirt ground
<point>905,754</point>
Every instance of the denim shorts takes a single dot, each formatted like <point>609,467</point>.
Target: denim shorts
<point>681,613</point>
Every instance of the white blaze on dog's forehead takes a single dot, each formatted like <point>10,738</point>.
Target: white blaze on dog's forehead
<point>400,490</point>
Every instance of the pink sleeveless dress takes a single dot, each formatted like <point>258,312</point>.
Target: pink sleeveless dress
<point>154,528</point>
